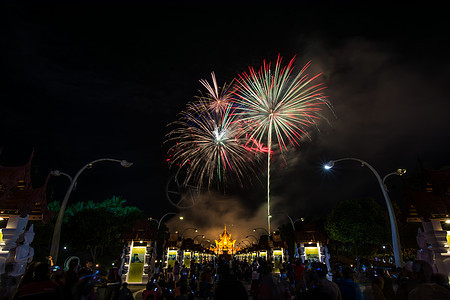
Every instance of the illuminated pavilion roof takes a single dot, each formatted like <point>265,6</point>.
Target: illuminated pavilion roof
<point>225,243</point>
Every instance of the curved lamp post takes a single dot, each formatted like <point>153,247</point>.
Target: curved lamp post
<point>392,219</point>
<point>184,231</point>
<point>155,251</point>
<point>202,235</point>
<point>249,244</point>
<point>73,181</point>
<point>206,241</point>
<point>257,240</point>
<point>159,221</point>
<point>290,219</point>
<point>254,230</point>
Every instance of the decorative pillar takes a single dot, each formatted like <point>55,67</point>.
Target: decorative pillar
<point>14,228</point>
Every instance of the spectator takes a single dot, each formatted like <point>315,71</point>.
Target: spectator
<point>422,272</point>
<point>176,271</point>
<point>125,293</point>
<point>152,291</point>
<point>114,282</point>
<point>407,283</point>
<point>377,288</point>
<point>229,287</point>
<point>299,270</point>
<point>440,279</point>
<point>388,286</point>
<point>255,282</point>
<point>267,288</point>
<point>38,285</point>
<point>205,287</point>
<point>8,282</point>
<point>328,289</point>
<point>350,290</point>
<point>70,279</point>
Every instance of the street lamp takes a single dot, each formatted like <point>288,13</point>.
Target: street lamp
<point>155,250</point>
<point>399,172</point>
<point>394,229</point>
<point>182,234</point>
<point>73,181</point>
<point>249,244</point>
<point>254,230</point>
<point>206,241</point>
<point>203,236</point>
<point>159,221</point>
<point>290,219</point>
<point>257,240</point>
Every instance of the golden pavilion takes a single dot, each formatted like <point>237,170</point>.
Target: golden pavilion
<point>225,244</point>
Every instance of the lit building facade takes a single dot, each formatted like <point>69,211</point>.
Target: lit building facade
<point>225,245</point>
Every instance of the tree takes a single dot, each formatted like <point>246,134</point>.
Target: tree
<point>97,230</point>
<point>90,229</point>
<point>360,222</point>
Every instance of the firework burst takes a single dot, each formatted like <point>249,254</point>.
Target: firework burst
<point>278,106</point>
<point>208,144</point>
<point>217,99</point>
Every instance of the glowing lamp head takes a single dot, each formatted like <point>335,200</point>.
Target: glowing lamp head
<point>400,172</point>
<point>329,165</point>
<point>55,173</point>
<point>126,164</point>
<point>181,218</point>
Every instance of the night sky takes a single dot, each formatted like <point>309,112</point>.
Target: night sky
<point>81,82</point>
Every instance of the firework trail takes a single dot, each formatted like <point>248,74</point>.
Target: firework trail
<point>208,144</point>
<point>278,106</point>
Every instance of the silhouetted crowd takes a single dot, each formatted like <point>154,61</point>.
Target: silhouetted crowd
<point>231,279</point>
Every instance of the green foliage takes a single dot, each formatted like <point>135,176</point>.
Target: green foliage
<point>94,229</point>
<point>358,221</point>
<point>54,206</point>
<point>114,204</point>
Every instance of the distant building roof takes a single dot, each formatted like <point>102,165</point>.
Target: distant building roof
<point>430,199</point>
<point>17,195</point>
<point>309,232</point>
<point>141,231</point>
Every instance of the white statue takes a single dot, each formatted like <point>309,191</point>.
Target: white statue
<point>424,252</point>
<point>24,253</point>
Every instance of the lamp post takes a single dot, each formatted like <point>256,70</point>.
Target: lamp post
<point>290,219</point>
<point>394,229</point>
<point>203,236</point>
<point>249,244</point>
<point>206,241</point>
<point>257,240</point>
<point>184,231</point>
<point>254,230</point>
<point>155,250</point>
<point>73,181</point>
<point>159,221</point>
<point>293,228</point>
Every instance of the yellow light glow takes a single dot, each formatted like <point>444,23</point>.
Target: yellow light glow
<point>225,244</point>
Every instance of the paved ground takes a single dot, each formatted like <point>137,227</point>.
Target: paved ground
<point>137,289</point>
